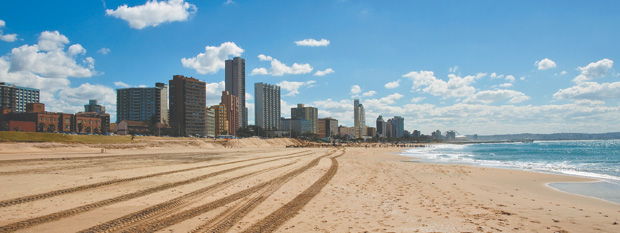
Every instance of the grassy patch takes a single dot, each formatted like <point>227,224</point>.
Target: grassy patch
<point>11,136</point>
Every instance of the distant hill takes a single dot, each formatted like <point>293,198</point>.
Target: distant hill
<point>555,136</point>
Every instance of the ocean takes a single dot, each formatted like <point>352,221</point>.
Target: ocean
<point>593,159</point>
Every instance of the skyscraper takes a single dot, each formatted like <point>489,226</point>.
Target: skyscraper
<point>267,106</point>
<point>142,104</point>
<point>328,127</point>
<point>15,98</point>
<point>187,106</point>
<point>306,113</point>
<point>235,85</point>
<point>398,127</point>
<point>359,119</point>
<point>232,112</point>
<point>380,127</point>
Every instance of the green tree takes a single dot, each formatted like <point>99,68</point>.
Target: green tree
<point>96,131</point>
<point>80,127</point>
<point>41,127</point>
<point>88,129</point>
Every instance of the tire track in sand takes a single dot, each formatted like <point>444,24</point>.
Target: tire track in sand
<point>290,209</point>
<point>41,196</point>
<point>123,223</point>
<point>230,217</point>
<point>84,208</point>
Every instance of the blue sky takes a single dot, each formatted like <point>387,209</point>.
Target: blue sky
<point>485,67</point>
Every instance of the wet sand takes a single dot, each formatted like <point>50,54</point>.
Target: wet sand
<point>267,187</point>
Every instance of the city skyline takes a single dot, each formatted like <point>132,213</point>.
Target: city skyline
<point>498,67</point>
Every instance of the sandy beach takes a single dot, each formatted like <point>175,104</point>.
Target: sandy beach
<point>261,186</point>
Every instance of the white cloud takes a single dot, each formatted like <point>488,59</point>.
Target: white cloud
<point>453,69</point>
<point>49,41</point>
<point>456,86</point>
<point>356,89</point>
<point>121,84</point>
<point>417,99</point>
<point>488,97</point>
<point>392,85</point>
<point>104,51</point>
<point>214,92</point>
<point>278,68</point>
<point>510,78</point>
<point>248,96</point>
<point>324,72</point>
<point>213,59</point>
<point>51,62</point>
<point>228,2</point>
<point>8,37</point>
<point>293,87</point>
<point>153,13</point>
<point>312,42</point>
<point>545,64</point>
<point>368,94</point>
<point>505,85</point>
<point>561,73</point>
<point>590,91</point>
<point>594,70</point>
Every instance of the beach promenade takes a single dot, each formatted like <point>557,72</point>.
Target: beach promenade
<point>262,186</point>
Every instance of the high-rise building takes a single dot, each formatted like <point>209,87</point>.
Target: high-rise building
<point>328,127</point>
<point>359,119</point>
<point>388,129</point>
<point>398,127</point>
<point>235,85</point>
<point>380,127</point>
<point>210,114</point>
<point>232,112</point>
<point>92,106</point>
<point>267,106</point>
<point>306,113</point>
<point>295,126</point>
<point>221,121</point>
<point>143,104</point>
<point>14,98</point>
<point>187,106</point>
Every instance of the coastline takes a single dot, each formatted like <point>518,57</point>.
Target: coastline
<point>372,189</point>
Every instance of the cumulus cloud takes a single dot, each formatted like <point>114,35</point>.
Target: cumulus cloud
<point>154,13</point>
<point>545,64</point>
<point>312,42</point>
<point>278,68</point>
<point>213,59</point>
<point>594,70</point>
<point>417,99</point>
<point>456,86</point>
<point>590,91</point>
<point>356,89</point>
<point>488,97</point>
<point>369,94</point>
<point>392,85</point>
<point>48,58</point>
<point>324,72</point>
<point>453,69</point>
<point>229,2</point>
<point>293,87</point>
<point>7,37</point>
<point>104,51</point>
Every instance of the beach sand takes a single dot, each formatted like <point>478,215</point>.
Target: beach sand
<point>259,185</point>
